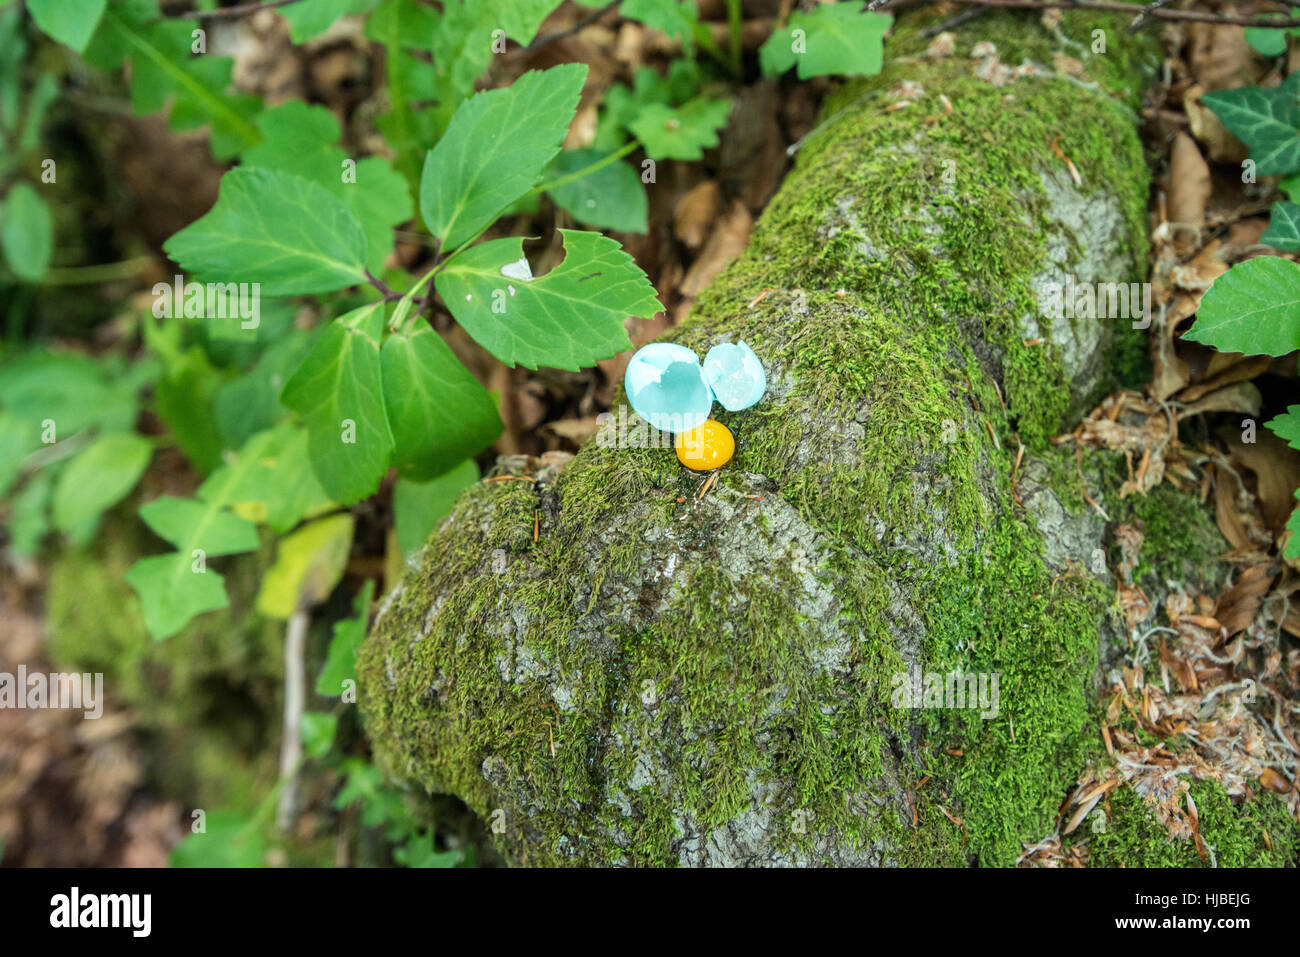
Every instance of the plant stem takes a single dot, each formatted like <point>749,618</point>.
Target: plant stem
<point>295,696</point>
<point>103,272</point>
<point>600,164</point>
<point>735,17</point>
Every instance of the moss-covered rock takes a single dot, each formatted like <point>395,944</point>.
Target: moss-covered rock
<point>665,679</point>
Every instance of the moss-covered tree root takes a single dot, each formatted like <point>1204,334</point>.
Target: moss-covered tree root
<point>665,679</point>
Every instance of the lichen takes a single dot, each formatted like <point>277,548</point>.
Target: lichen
<point>658,681</point>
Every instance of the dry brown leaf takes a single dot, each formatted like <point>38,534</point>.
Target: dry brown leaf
<point>1189,188</point>
<point>1219,56</point>
<point>1276,467</point>
<point>1225,369</point>
<point>1243,397</point>
<point>695,213</point>
<point>728,241</point>
<point>1237,607</point>
<point>1221,145</point>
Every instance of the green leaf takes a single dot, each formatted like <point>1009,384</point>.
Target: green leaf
<point>1266,119</point>
<point>338,391</point>
<point>300,139</point>
<point>677,18</point>
<point>438,412</point>
<point>1284,227</point>
<point>318,731</point>
<point>341,659</point>
<point>521,19</point>
<point>612,197</point>
<point>418,507</point>
<point>70,22</point>
<point>1287,426</point>
<point>96,479</point>
<point>1266,42</point>
<point>184,400</point>
<point>496,148</point>
<point>1253,308</point>
<point>310,18</point>
<point>27,232</point>
<point>192,524</point>
<point>1292,550</point>
<point>419,851</point>
<point>683,132</point>
<point>29,520</point>
<point>165,74</point>
<point>69,390</point>
<point>271,480</point>
<point>173,589</point>
<point>839,38</point>
<point>308,564</point>
<point>251,403</point>
<point>229,840</point>
<point>567,319</point>
<point>274,228</point>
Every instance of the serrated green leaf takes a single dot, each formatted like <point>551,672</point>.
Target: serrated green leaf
<point>495,149</point>
<point>567,319</point>
<point>300,139</point>
<point>835,38</point>
<point>418,507</point>
<point>311,18</point>
<point>27,232</point>
<point>1266,119</point>
<point>521,19</point>
<point>70,22</point>
<point>274,228</point>
<point>308,564</point>
<point>1283,227</point>
<point>613,197</point>
<point>677,18</point>
<point>96,479</point>
<point>165,74</point>
<point>1287,426</point>
<point>229,839</point>
<point>1253,308</point>
<point>173,589</point>
<point>341,659</point>
<point>1292,550</point>
<point>438,412</point>
<point>338,390</point>
<point>683,132</point>
<point>193,524</point>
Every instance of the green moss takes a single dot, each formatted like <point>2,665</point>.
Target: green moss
<point>1131,835</point>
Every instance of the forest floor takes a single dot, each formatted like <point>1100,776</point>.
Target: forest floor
<point>78,793</point>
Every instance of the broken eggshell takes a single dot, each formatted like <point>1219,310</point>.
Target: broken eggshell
<point>735,375</point>
<point>665,385</point>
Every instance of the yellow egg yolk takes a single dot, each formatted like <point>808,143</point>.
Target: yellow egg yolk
<point>706,447</point>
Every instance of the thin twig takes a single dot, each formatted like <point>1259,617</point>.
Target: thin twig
<point>964,17</point>
<point>588,20</point>
<point>295,697</point>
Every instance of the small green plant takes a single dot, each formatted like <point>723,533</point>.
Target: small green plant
<point>1254,308</point>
